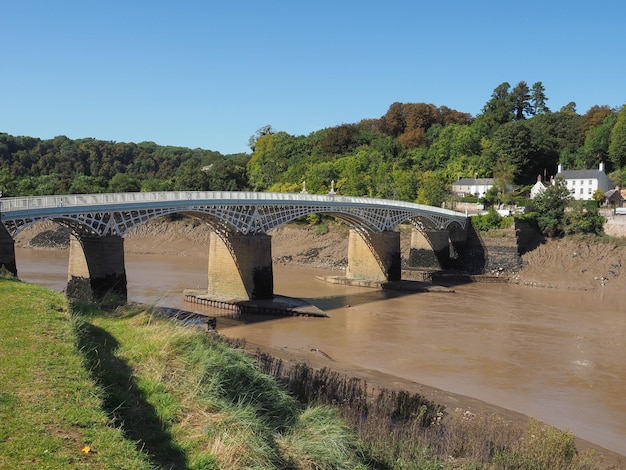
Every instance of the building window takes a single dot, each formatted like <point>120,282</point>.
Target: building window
<point>589,192</point>
<point>581,190</point>
<point>573,182</point>
<point>590,182</point>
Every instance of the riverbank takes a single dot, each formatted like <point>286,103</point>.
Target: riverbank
<point>568,264</point>
<point>301,246</point>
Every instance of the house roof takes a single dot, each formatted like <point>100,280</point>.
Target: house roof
<point>579,174</point>
<point>613,193</point>
<point>473,181</point>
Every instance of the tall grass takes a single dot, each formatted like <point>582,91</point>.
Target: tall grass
<point>192,401</point>
<point>405,431</point>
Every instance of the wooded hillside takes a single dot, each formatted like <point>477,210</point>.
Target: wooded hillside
<point>413,152</point>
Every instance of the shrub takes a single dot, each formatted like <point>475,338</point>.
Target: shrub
<point>491,220</point>
<point>321,229</point>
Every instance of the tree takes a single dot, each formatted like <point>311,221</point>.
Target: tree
<point>265,130</point>
<point>520,101</point>
<point>569,108</point>
<point>497,110</point>
<point>583,217</point>
<point>190,177</point>
<point>617,146</point>
<point>512,142</point>
<point>596,145</point>
<point>595,116</point>
<point>392,123</point>
<point>550,207</point>
<point>538,98</point>
<point>122,183</point>
<point>82,184</point>
<point>7,183</point>
<point>433,189</point>
<point>273,154</point>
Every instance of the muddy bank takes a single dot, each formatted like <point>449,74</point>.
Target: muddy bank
<point>556,264</point>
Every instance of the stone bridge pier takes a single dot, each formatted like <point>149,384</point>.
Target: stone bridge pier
<point>240,266</point>
<point>374,256</point>
<point>429,249</point>
<point>7,251</point>
<point>96,268</point>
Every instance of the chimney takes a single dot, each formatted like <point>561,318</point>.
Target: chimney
<point>601,168</point>
<point>559,168</point>
<point>538,178</point>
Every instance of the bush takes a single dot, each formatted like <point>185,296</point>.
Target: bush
<point>491,220</point>
<point>583,218</point>
<point>321,229</point>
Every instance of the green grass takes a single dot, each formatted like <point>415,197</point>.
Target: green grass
<point>192,401</point>
<point>50,407</point>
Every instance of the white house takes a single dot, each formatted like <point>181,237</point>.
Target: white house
<point>472,186</point>
<point>583,183</point>
<point>538,188</point>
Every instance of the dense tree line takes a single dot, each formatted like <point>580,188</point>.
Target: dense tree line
<point>416,150</point>
<point>413,152</point>
<point>31,166</point>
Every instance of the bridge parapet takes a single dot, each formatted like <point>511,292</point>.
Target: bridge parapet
<point>243,212</point>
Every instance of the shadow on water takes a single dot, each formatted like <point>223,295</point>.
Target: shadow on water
<point>124,401</point>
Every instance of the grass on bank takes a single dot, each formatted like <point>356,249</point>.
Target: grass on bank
<point>51,413</point>
<point>125,389</point>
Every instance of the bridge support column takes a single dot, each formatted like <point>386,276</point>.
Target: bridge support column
<point>374,256</point>
<point>240,266</point>
<point>96,268</point>
<point>429,249</point>
<point>7,251</point>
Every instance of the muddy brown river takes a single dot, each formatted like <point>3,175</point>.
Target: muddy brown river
<point>558,356</point>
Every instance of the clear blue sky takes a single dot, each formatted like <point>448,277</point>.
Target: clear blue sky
<point>208,74</point>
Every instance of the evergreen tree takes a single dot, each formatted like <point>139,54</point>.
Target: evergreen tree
<point>520,101</point>
<point>538,99</point>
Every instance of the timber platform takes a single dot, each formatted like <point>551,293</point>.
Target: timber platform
<point>278,306</point>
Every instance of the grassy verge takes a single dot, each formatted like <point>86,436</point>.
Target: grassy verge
<point>50,408</point>
<point>125,389</point>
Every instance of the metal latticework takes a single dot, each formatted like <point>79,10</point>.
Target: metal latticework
<point>243,212</point>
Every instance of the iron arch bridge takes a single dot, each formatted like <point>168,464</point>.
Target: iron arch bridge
<point>227,212</point>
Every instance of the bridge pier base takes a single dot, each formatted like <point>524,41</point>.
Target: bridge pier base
<point>240,266</point>
<point>429,249</point>
<point>96,268</point>
<point>7,251</point>
<point>374,256</point>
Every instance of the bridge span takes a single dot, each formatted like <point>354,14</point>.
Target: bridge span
<point>240,261</point>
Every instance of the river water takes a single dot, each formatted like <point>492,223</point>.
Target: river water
<point>559,356</point>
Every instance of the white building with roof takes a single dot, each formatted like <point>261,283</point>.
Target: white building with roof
<point>472,186</point>
<point>583,183</point>
<point>538,188</point>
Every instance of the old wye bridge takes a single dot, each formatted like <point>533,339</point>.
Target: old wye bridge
<point>240,260</point>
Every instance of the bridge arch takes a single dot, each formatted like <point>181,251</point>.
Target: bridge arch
<point>100,220</point>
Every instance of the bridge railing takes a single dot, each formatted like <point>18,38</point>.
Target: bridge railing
<point>108,199</point>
